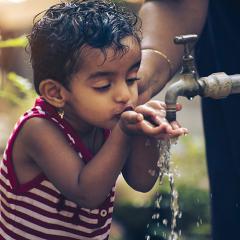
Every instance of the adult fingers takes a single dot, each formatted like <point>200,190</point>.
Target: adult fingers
<point>177,130</point>
<point>178,107</point>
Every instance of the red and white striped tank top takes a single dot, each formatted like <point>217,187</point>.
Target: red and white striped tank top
<point>37,210</point>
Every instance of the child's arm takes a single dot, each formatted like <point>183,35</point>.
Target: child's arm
<point>140,170</point>
<point>42,144</point>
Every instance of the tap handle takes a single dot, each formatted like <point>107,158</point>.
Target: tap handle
<point>187,41</point>
<point>188,63</point>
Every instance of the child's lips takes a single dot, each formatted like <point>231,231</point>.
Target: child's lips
<point>129,108</point>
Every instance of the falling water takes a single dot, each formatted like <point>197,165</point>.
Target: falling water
<point>166,171</point>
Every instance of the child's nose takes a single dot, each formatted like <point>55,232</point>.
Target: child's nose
<point>122,94</point>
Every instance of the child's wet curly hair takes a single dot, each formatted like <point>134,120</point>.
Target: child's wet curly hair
<point>57,37</point>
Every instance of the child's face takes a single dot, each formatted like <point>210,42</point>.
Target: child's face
<point>101,91</point>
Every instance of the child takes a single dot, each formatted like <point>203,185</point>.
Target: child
<point>63,158</point>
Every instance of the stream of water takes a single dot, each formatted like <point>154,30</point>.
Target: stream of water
<point>166,171</point>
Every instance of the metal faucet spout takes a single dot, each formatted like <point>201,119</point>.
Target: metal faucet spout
<point>187,86</point>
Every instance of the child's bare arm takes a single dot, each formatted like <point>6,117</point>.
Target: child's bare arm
<point>88,185</point>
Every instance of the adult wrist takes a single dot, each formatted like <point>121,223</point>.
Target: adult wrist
<point>161,55</point>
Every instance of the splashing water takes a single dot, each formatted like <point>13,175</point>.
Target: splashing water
<point>166,171</point>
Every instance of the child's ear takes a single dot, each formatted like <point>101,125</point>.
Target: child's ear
<point>53,92</point>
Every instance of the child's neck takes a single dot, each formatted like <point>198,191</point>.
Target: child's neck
<point>81,127</point>
<point>83,133</point>
<point>91,136</point>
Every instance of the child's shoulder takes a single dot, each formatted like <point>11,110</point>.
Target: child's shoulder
<point>40,122</point>
<point>37,142</point>
<point>37,130</point>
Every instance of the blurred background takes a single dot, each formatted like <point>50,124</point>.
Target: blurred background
<point>134,212</point>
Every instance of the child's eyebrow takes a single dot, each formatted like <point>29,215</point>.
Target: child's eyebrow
<point>99,74</point>
<point>135,65</point>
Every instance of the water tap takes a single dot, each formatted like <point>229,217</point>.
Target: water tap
<point>217,85</point>
<point>187,84</point>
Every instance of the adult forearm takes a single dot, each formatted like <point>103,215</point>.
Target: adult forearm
<point>161,21</point>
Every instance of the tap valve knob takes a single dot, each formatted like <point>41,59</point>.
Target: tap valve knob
<point>187,41</point>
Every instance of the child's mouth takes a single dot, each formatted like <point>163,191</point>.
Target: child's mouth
<point>129,108</point>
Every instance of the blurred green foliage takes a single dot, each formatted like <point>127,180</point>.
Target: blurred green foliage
<point>15,89</point>
<point>15,42</point>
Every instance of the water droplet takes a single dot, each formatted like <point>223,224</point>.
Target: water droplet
<point>165,222</point>
<point>152,172</point>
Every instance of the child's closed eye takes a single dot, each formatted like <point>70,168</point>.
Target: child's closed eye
<point>102,88</point>
<point>131,81</point>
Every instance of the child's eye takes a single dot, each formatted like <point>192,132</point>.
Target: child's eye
<point>132,80</point>
<point>102,88</point>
